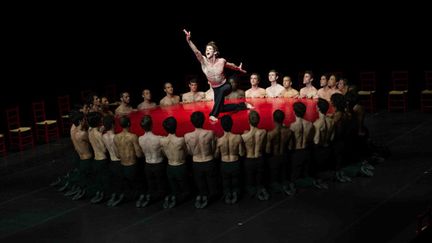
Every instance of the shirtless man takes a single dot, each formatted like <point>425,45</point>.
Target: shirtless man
<point>94,102</point>
<point>255,91</point>
<point>230,147</point>
<point>100,163</point>
<point>201,145</point>
<point>71,179</point>
<point>147,103</point>
<point>236,93</point>
<point>105,106</point>
<point>115,165</point>
<point>155,167</point>
<point>288,91</point>
<point>341,142</point>
<point>324,91</point>
<point>128,150</point>
<point>193,95</point>
<point>124,108</point>
<point>254,140</point>
<point>170,98</point>
<point>81,142</point>
<point>175,150</point>
<point>214,69</point>
<point>275,89</point>
<point>332,85</point>
<point>303,139</point>
<point>279,141</point>
<point>324,134</point>
<point>309,91</point>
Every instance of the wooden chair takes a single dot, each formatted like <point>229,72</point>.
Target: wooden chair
<point>46,129</point>
<point>19,136</point>
<point>398,95</point>
<point>367,92</point>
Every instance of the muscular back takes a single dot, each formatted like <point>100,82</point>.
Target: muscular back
<point>82,143</point>
<point>230,146</point>
<point>324,131</point>
<point>174,148</point>
<point>150,145</point>
<point>127,147</point>
<point>303,132</point>
<point>278,140</point>
<point>96,140</point>
<point>200,144</point>
<point>254,141</point>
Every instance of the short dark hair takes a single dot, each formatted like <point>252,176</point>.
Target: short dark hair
<point>94,119</point>
<point>227,123</point>
<point>310,73</point>
<point>76,117</point>
<point>147,123</point>
<point>215,48</point>
<point>125,122</point>
<point>108,121</point>
<point>278,116</point>
<point>197,119</point>
<point>170,125</point>
<point>323,105</point>
<point>254,118</point>
<point>299,109</point>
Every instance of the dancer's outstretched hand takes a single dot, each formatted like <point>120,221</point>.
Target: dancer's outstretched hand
<point>188,34</point>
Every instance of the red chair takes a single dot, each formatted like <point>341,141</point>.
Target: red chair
<point>426,94</point>
<point>398,95</point>
<point>367,91</point>
<point>2,145</point>
<point>64,110</point>
<point>19,137</point>
<point>46,129</point>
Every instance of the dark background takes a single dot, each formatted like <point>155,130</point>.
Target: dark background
<point>50,53</point>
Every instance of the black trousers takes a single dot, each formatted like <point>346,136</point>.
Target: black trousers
<point>219,99</point>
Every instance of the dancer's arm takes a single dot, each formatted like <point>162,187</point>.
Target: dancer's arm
<point>235,67</point>
<point>198,54</point>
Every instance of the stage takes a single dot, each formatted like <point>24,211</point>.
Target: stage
<point>264,106</point>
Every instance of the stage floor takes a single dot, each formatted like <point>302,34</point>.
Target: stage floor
<point>378,209</point>
<point>264,106</point>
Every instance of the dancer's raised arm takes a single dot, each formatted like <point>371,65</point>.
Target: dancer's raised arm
<point>198,54</point>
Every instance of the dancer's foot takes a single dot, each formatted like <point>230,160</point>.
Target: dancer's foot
<point>213,118</point>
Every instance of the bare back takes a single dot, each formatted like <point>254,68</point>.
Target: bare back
<point>278,140</point>
<point>127,147</point>
<point>82,143</point>
<point>201,144</point>
<point>254,142</point>
<point>150,145</point>
<point>230,147</point>
<point>174,149</point>
<point>108,139</point>
<point>96,141</point>
<point>302,132</point>
<point>324,131</point>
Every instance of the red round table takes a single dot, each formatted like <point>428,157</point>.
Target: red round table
<point>264,106</point>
